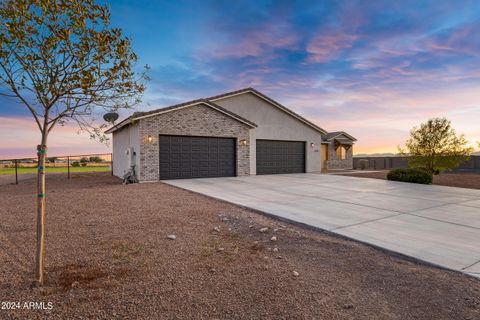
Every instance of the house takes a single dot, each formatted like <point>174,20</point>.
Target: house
<point>234,134</point>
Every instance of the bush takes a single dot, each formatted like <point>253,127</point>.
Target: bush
<point>75,164</point>
<point>95,159</point>
<point>410,175</point>
<point>363,164</point>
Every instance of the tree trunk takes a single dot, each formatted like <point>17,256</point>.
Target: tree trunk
<point>40,247</point>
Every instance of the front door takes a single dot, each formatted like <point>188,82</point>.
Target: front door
<point>324,157</point>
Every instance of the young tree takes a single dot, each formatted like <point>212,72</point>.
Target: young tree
<point>83,161</point>
<point>63,62</point>
<point>435,146</point>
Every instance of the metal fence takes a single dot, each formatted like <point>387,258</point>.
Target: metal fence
<point>386,163</point>
<point>98,162</point>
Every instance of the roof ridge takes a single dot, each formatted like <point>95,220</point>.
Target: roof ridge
<point>274,102</point>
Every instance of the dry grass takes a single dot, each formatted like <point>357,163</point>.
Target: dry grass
<point>108,258</point>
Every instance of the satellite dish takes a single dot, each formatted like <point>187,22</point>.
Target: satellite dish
<point>110,117</point>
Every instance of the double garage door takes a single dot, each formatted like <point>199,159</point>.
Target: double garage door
<point>277,157</point>
<point>184,157</point>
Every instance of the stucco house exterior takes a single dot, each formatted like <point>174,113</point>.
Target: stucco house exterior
<point>238,133</point>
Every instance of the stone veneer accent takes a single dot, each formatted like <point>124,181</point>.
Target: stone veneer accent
<point>198,120</point>
<point>334,163</point>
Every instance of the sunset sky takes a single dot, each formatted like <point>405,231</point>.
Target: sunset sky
<point>366,67</point>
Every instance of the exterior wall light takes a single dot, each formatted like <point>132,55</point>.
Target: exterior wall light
<point>243,142</point>
<point>312,144</point>
<point>150,139</point>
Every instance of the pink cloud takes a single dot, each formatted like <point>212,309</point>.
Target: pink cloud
<point>20,137</point>
<point>327,45</point>
<point>380,118</point>
<point>258,43</point>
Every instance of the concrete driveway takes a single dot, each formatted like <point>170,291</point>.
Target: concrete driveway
<point>437,224</point>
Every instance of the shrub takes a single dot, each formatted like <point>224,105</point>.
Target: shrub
<point>363,164</point>
<point>75,164</point>
<point>413,175</point>
<point>95,159</point>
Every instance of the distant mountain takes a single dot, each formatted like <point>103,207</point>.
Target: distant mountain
<point>370,155</point>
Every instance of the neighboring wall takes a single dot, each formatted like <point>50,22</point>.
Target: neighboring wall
<point>198,120</point>
<point>123,139</point>
<point>273,124</point>
<point>385,163</point>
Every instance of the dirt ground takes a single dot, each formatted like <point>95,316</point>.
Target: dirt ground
<point>461,180</point>
<point>108,257</point>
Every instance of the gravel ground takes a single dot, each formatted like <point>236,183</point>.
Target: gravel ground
<point>460,180</point>
<point>6,179</point>
<point>108,256</point>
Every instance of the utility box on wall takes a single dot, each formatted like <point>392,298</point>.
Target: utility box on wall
<point>130,153</point>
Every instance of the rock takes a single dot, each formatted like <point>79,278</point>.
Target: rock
<point>217,229</point>
<point>212,270</point>
<point>172,237</point>
<point>348,306</point>
<point>250,226</point>
<point>220,249</point>
<point>255,242</point>
<point>263,230</point>
<point>225,219</point>
<point>273,238</point>
<point>275,249</point>
<point>295,273</point>
<point>75,284</point>
<point>279,257</point>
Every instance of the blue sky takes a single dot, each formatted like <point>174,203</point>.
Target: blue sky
<point>371,68</point>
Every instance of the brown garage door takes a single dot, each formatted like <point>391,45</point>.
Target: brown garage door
<point>275,156</point>
<point>184,157</point>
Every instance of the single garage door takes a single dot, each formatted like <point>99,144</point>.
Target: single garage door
<point>275,156</point>
<point>183,157</point>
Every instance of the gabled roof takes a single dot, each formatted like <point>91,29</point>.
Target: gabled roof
<point>332,135</point>
<point>142,115</point>
<point>272,102</point>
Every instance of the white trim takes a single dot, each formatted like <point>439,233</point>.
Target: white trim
<point>284,109</point>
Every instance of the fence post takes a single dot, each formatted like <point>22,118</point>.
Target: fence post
<point>111,163</point>
<point>16,172</point>
<point>68,167</point>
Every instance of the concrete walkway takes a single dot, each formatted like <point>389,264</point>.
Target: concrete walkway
<point>437,224</point>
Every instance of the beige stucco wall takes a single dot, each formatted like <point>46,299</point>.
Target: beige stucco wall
<point>123,139</point>
<point>273,124</point>
<point>199,120</point>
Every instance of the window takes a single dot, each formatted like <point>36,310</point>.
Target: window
<point>341,153</point>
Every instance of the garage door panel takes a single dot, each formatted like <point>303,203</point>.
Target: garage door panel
<point>277,157</point>
<point>183,157</point>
